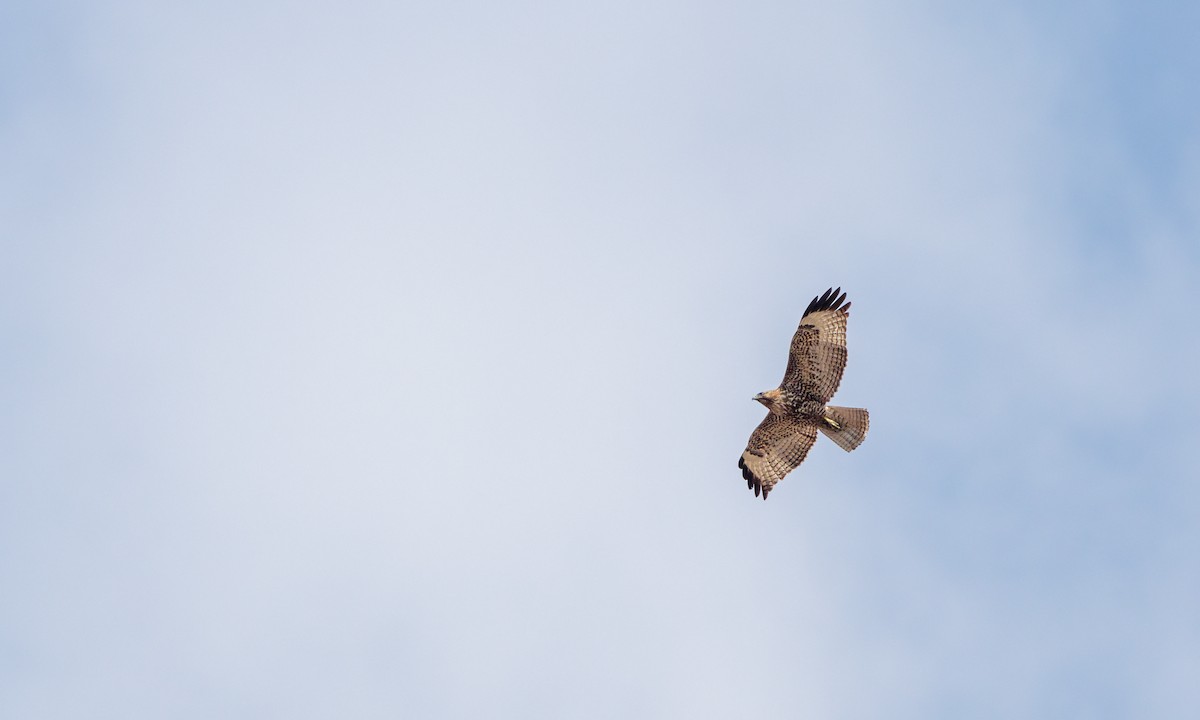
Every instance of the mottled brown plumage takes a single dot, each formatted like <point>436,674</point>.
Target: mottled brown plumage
<point>798,407</point>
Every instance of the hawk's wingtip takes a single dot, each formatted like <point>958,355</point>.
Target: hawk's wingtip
<point>831,299</point>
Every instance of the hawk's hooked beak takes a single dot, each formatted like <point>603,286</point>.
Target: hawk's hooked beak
<point>758,397</point>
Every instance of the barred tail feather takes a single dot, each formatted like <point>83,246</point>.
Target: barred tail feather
<point>846,426</point>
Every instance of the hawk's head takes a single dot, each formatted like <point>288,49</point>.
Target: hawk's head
<point>773,399</point>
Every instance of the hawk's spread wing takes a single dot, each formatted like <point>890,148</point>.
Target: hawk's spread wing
<point>777,446</point>
<point>818,354</point>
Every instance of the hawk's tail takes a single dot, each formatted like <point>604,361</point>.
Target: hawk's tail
<point>846,426</point>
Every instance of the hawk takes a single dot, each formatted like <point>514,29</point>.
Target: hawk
<point>798,406</point>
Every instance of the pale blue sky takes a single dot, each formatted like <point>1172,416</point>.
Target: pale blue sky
<point>387,360</point>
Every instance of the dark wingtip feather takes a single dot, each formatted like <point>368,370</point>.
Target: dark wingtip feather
<point>752,482</point>
<point>831,299</point>
<point>816,301</point>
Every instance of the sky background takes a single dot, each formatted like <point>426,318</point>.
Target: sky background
<point>393,360</point>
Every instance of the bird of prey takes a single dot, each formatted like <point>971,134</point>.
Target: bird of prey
<point>798,407</point>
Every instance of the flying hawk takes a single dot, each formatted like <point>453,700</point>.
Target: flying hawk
<point>798,406</point>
